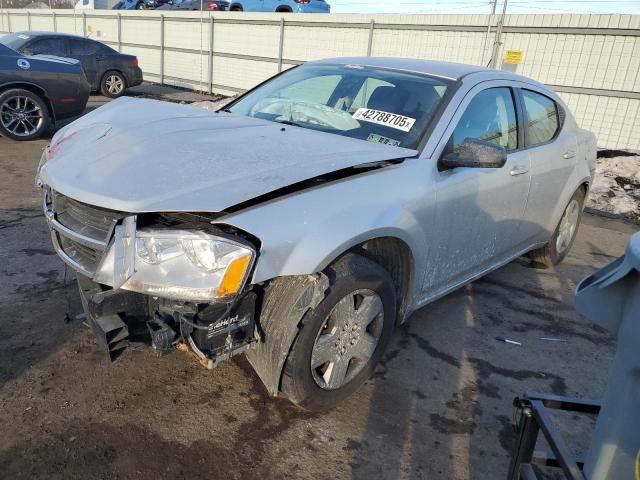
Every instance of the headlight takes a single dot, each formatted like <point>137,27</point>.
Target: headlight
<point>189,265</point>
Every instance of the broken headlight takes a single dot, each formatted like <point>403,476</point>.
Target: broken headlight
<point>188,265</point>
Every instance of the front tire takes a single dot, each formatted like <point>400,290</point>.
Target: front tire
<point>564,235</point>
<point>341,341</point>
<point>113,84</point>
<point>23,115</point>
<point>141,6</point>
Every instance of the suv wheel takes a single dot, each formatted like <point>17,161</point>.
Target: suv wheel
<point>140,6</point>
<point>23,115</point>
<point>113,84</point>
<point>565,234</point>
<point>341,341</point>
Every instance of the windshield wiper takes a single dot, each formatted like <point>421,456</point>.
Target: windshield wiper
<point>288,122</point>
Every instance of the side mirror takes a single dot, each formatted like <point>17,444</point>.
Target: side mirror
<point>474,153</point>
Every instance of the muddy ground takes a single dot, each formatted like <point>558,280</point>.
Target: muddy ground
<point>439,406</point>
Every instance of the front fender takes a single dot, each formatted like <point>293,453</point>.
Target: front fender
<point>303,233</point>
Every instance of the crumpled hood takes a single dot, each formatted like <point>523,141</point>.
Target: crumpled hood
<point>138,155</point>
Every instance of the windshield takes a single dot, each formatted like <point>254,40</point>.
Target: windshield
<point>373,104</point>
<point>14,40</point>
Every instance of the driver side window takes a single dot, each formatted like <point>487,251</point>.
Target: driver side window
<point>491,117</point>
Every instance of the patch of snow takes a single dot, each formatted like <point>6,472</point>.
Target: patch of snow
<point>616,187</point>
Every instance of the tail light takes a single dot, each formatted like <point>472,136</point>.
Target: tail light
<point>134,62</point>
<point>213,6</point>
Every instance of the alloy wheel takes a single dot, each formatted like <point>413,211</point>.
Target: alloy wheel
<point>115,84</point>
<point>21,116</point>
<point>568,226</point>
<point>347,339</point>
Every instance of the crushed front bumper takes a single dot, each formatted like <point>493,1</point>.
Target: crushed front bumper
<point>82,235</point>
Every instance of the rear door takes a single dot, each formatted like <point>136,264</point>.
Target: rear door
<point>87,52</point>
<point>553,154</point>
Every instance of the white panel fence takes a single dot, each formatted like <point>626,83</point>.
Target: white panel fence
<point>592,61</point>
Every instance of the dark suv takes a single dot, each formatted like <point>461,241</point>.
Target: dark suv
<point>107,70</point>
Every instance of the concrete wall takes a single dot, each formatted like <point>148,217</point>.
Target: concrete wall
<point>592,61</point>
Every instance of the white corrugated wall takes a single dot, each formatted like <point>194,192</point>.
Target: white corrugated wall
<point>593,61</point>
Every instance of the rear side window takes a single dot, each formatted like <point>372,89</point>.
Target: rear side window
<point>82,47</point>
<point>542,120</point>
<point>47,46</point>
<point>491,117</point>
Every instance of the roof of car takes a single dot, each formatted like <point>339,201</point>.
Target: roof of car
<point>34,34</point>
<point>453,71</point>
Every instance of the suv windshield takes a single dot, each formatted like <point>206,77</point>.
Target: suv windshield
<point>373,104</point>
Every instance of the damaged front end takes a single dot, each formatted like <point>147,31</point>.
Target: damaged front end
<point>169,280</point>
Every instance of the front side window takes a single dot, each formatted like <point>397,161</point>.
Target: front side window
<point>372,104</point>
<point>491,117</point>
<point>542,118</point>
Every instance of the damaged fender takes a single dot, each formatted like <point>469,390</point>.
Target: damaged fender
<point>286,301</point>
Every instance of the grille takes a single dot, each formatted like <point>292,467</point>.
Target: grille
<point>86,220</point>
<point>80,232</point>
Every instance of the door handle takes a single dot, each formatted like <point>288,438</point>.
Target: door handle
<point>519,170</point>
<point>569,154</point>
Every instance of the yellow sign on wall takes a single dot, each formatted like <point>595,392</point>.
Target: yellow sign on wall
<point>513,57</point>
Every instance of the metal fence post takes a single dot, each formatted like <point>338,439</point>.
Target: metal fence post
<point>9,22</point>
<point>55,21</point>
<point>162,49</point>
<point>120,32</point>
<point>28,20</point>
<point>84,24</point>
<point>281,48</point>
<point>371,28</point>
<point>210,73</point>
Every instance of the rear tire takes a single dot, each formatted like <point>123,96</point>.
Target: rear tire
<point>141,6</point>
<point>564,235</point>
<point>341,341</point>
<point>236,8</point>
<point>23,115</point>
<point>113,84</point>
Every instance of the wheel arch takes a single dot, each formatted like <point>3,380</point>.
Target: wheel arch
<point>395,256</point>
<point>285,9</point>
<point>33,88</point>
<point>287,299</point>
<point>236,7</point>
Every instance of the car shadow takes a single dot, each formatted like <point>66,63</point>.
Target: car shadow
<point>441,400</point>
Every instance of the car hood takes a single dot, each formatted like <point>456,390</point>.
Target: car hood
<point>138,155</point>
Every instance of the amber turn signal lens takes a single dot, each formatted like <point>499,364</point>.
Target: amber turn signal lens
<point>233,277</point>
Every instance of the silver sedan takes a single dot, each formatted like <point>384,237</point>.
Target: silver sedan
<point>308,218</point>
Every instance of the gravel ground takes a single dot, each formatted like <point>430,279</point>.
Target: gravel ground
<point>439,406</point>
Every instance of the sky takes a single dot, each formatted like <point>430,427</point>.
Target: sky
<point>483,6</point>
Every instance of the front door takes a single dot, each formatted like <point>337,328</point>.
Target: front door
<point>479,210</point>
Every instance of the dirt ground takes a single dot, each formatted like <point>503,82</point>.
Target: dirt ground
<point>439,406</point>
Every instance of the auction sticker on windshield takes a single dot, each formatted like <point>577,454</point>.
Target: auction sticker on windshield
<point>392,120</point>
